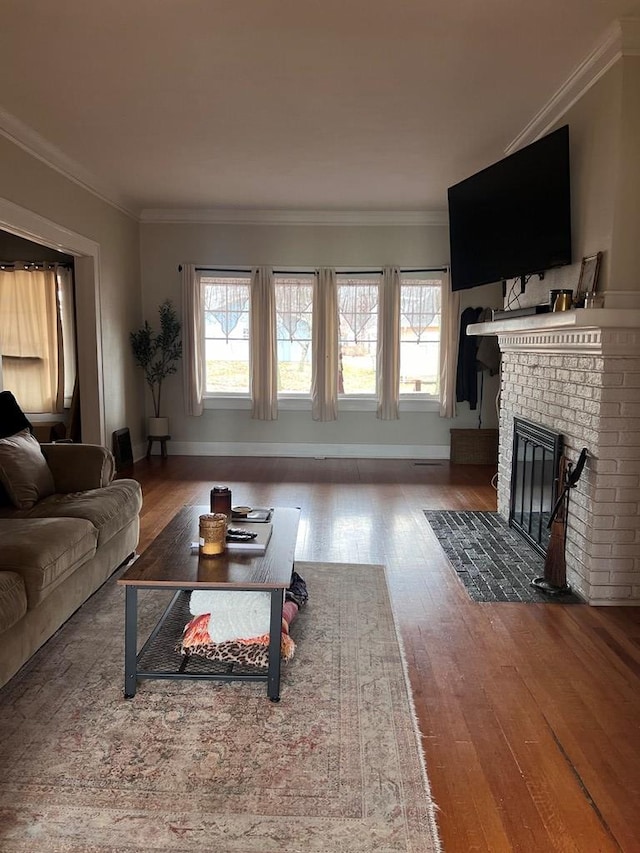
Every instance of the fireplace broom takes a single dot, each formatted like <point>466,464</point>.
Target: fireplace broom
<point>554,580</point>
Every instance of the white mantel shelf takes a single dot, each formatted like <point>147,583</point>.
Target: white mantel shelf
<point>576,319</point>
<point>587,331</point>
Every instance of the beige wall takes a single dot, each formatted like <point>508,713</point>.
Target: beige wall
<point>594,123</point>
<point>29,183</point>
<point>604,128</point>
<point>625,250</point>
<point>164,247</point>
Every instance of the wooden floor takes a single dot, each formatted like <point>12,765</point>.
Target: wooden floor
<point>530,713</point>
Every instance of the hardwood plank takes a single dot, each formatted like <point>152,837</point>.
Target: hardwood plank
<point>529,713</point>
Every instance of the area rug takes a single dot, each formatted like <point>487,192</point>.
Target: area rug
<point>493,562</point>
<point>335,766</point>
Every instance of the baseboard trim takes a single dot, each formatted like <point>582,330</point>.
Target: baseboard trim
<point>306,451</point>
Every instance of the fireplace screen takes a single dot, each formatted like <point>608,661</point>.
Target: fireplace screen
<point>534,481</point>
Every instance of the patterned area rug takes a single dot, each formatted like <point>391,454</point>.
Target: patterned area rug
<point>493,562</point>
<point>335,766</point>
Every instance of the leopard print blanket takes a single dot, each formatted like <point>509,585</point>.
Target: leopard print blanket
<point>252,652</point>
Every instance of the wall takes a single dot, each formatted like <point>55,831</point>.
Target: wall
<point>26,181</point>
<point>165,246</point>
<point>594,123</point>
<point>625,254</point>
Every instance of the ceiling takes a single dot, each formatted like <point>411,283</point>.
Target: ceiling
<point>336,105</point>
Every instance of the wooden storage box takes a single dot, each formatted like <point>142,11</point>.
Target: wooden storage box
<point>474,446</point>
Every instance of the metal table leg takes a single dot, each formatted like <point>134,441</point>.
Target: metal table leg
<point>130,640</point>
<point>275,631</point>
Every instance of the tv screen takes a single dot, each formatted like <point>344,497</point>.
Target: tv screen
<point>513,219</point>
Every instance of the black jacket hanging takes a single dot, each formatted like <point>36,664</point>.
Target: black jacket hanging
<point>467,375</point>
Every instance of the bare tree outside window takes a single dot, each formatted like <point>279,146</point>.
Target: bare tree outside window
<point>294,324</point>
<point>358,298</point>
<point>226,301</point>
<point>420,312</point>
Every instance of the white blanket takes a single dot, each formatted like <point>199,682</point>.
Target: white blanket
<point>233,614</point>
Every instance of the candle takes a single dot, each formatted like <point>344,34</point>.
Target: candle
<point>213,534</point>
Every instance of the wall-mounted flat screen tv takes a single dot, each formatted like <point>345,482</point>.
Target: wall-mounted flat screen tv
<point>513,219</point>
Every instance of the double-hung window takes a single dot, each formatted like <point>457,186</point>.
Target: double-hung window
<point>225,301</point>
<point>420,314</point>
<point>358,299</point>
<point>294,325</point>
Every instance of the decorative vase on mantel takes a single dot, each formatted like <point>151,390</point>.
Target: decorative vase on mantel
<point>158,426</point>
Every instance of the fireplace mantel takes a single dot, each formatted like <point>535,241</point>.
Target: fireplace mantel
<point>578,373</point>
<point>604,331</point>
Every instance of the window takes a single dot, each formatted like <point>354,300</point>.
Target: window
<point>358,333</point>
<point>294,296</point>
<point>225,300</point>
<point>226,303</point>
<point>420,313</point>
<point>37,338</point>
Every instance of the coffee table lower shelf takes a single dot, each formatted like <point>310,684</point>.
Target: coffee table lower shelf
<point>159,658</point>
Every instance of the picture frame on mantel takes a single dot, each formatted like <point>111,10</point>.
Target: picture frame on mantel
<point>588,281</point>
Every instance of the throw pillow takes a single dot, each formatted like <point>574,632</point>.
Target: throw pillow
<point>23,470</point>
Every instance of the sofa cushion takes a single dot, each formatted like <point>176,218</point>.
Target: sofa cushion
<point>43,551</point>
<point>23,470</point>
<point>109,509</point>
<point>13,599</point>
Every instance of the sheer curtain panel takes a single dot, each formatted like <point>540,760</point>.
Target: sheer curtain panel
<point>193,337</point>
<point>29,338</point>
<point>449,339</point>
<point>324,375</point>
<point>388,354</point>
<point>263,366</point>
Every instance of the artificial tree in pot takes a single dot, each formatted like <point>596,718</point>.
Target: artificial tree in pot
<point>158,355</point>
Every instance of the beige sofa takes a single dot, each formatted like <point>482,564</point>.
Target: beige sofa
<point>60,538</point>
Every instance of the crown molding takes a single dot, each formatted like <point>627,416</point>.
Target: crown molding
<point>238,216</point>
<point>621,39</point>
<point>37,146</point>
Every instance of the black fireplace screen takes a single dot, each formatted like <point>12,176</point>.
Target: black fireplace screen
<point>534,481</point>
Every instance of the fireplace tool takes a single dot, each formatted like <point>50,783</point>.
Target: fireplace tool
<point>554,580</point>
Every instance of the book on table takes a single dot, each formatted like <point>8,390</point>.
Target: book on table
<point>257,545</point>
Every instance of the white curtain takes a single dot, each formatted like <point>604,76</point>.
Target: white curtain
<point>263,367</point>
<point>388,353</point>
<point>192,340</point>
<point>29,338</point>
<point>67,345</point>
<point>324,373</point>
<point>449,339</point>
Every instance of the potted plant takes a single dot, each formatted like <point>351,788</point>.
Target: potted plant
<point>158,355</point>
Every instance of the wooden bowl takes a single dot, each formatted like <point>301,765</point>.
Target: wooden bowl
<point>240,511</point>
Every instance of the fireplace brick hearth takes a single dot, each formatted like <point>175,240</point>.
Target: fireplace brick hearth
<point>579,374</point>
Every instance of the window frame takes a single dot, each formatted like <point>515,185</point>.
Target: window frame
<point>406,398</point>
<point>297,401</point>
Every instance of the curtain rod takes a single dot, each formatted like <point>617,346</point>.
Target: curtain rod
<point>310,272</point>
<point>27,265</point>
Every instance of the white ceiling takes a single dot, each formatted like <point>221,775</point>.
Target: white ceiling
<point>337,105</point>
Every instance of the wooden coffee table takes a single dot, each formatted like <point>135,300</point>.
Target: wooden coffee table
<point>168,563</point>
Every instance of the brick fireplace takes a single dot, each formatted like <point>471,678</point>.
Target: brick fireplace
<point>578,373</point>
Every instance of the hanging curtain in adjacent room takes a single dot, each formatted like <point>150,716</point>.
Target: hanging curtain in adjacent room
<point>263,363</point>
<point>449,339</point>
<point>30,333</point>
<point>388,354</point>
<point>67,340</point>
<point>192,337</point>
<point>324,373</point>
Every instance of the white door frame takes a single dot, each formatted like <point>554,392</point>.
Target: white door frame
<point>25,223</point>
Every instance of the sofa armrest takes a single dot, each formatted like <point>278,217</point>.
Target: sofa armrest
<point>78,467</point>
